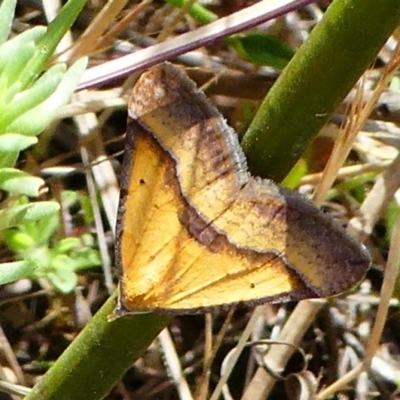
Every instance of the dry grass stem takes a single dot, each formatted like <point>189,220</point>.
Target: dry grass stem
<point>173,365</point>
<point>104,19</point>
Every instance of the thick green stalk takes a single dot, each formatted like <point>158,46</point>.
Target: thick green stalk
<point>99,356</point>
<point>324,70</point>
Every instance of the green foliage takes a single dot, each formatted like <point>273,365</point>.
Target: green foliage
<point>28,230</point>
<point>15,181</point>
<point>13,271</point>
<point>262,49</point>
<point>14,142</point>
<point>30,97</point>
<point>19,212</point>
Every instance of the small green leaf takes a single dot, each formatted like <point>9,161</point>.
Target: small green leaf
<point>46,226</point>
<point>41,257</point>
<point>13,271</point>
<point>63,279</point>
<point>85,259</point>
<point>7,10</point>
<point>8,158</point>
<point>10,49</point>
<point>17,182</point>
<point>18,241</point>
<point>262,49</point>
<point>38,118</point>
<point>40,210</point>
<point>68,244</point>
<point>13,71</point>
<point>23,214</point>
<point>36,94</point>
<point>15,142</point>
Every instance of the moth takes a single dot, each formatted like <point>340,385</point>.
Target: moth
<point>196,231</point>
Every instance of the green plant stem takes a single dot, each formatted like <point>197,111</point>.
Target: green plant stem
<point>99,356</point>
<point>324,70</point>
<point>48,43</point>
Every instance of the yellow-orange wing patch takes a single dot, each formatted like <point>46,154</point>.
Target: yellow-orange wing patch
<point>196,231</point>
